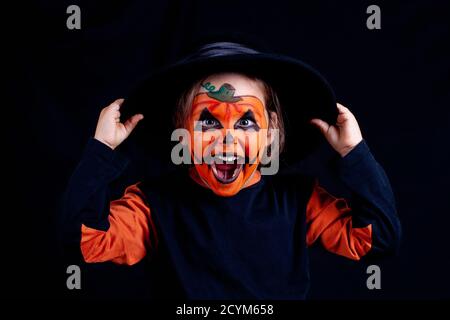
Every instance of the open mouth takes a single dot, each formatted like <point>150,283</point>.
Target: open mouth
<point>226,168</point>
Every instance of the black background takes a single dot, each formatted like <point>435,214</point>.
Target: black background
<point>395,80</point>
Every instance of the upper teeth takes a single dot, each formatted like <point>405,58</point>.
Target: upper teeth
<point>226,158</point>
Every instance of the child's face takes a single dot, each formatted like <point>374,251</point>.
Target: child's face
<point>228,123</point>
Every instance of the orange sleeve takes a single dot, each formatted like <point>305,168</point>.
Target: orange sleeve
<point>130,235</point>
<point>329,219</point>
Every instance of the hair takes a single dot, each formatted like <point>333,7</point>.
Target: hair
<point>272,104</point>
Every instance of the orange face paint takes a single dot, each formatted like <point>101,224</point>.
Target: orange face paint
<point>228,135</point>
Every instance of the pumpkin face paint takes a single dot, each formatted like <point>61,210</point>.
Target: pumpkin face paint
<point>228,133</point>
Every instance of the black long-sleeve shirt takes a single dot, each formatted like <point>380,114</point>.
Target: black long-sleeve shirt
<point>251,245</point>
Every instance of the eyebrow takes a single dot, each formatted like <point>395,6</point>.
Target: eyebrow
<point>205,114</point>
<point>249,115</point>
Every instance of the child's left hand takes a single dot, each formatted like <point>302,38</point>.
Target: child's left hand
<point>344,135</point>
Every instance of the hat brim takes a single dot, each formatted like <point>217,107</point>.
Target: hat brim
<point>303,93</point>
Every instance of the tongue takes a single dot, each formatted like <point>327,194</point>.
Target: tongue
<point>225,171</point>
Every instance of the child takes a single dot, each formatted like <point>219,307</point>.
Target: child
<point>219,228</point>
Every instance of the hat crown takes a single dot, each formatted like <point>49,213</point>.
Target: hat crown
<point>224,48</point>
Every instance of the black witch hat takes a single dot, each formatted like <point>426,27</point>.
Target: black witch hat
<point>303,94</point>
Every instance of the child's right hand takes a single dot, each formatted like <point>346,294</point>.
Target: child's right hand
<point>110,130</point>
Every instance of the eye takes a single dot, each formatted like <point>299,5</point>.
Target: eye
<point>245,123</point>
<point>210,123</point>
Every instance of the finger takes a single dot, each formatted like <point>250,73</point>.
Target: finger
<point>131,123</point>
<point>116,104</point>
<point>344,114</point>
<point>341,119</point>
<point>322,125</point>
<point>342,109</point>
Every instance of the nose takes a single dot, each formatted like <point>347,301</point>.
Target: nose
<point>228,139</point>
